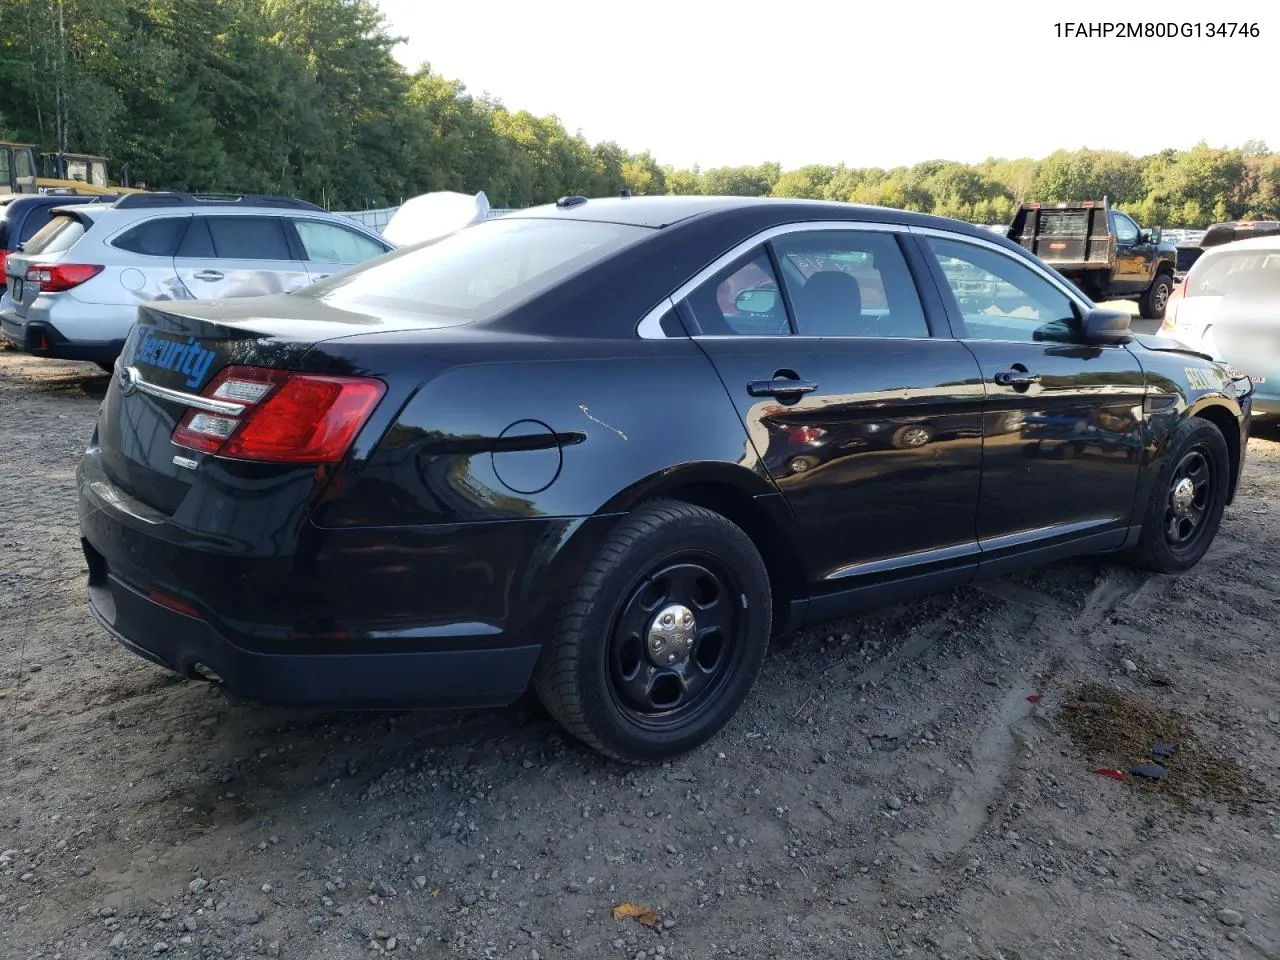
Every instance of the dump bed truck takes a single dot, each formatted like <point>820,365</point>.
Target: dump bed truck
<point>1101,250</point>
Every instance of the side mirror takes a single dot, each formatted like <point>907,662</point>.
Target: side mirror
<point>756,301</point>
<point>1107,326</point>
<point>1156,233</point>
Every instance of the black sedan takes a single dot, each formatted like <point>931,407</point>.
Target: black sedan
<point>559,448</point>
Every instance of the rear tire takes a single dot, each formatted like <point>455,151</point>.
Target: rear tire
<point>1187,500</point>
<point>605,674</point>
<point>1153,303</point>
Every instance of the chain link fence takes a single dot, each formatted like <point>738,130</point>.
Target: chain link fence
<point>378,219</point>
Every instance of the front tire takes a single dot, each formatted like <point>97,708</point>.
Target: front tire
<point>658,646</point>
<point>1187,500</point>
<point>1153,303</point>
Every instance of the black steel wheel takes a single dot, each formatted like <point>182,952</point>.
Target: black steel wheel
<point>662,640</point>
<point>673,645</point>
<point>1187,499</point>
<point>1190,494</point>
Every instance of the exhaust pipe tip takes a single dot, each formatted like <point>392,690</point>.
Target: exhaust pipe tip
<point>199,671</point>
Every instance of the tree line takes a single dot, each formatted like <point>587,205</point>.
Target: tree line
<point>305,97</point>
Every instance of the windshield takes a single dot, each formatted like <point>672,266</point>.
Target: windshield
<point>1237,272</point>
<point>479,270</point>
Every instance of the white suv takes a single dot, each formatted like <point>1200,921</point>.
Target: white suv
<point>75,287</point>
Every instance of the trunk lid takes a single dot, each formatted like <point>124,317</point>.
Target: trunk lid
<point>173,352</point>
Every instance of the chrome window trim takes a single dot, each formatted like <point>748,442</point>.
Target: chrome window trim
<point>207,404</point>
<point>1003,251</point>
<point>650,328</point>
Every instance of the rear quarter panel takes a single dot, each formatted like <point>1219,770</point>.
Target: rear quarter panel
<point>535,429</point>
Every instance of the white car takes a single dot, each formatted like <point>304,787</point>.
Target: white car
<point>1228,306</point>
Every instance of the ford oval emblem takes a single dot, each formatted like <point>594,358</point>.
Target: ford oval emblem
<point>127,380</point>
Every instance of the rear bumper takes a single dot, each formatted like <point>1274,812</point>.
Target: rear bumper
<point>40,338</point>
<point>432,678</point>
<point>447,615</point>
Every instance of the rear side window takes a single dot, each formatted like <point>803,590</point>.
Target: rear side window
<point>154,238</point>
<point>331,243</point>
<point>480,269</point>
<point>248,238</point>
<point>56,236</point>
<point>850,283</point>
<point>743,299</point>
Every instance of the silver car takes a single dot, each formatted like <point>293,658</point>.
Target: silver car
<point>1228,306</point>
<point>75,287</point>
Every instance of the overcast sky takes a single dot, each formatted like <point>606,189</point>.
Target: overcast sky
<point>867,84</point>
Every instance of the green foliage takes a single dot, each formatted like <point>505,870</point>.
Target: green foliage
<point>304,97</point>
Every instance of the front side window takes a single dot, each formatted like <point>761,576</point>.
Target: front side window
<point>1001,299</point>
<point>1125,229</point>
<point>743,299</point>
<point>850,283</point>
<point>330,243</point>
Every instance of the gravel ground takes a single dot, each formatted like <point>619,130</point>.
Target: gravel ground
<point>918,782</point>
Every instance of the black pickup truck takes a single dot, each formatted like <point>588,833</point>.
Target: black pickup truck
<point>1102,251</point>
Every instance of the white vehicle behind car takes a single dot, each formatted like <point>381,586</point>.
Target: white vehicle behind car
<point>75,287</point>
<point>1228,306</point>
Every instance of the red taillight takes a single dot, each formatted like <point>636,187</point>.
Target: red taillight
<point>285,417</point>
<point>4,258</point>
<point>56,277</point>
<point>805,434</point>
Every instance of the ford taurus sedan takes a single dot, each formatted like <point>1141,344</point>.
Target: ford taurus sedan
<point>559,449</point>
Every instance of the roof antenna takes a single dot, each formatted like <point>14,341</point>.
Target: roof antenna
<point>626,192</point>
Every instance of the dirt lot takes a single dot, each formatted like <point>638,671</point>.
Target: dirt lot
<point>889,790</point>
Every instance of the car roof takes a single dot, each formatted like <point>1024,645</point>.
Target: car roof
<point>663,211</point>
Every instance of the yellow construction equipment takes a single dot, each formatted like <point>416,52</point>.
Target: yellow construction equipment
<point>78,173</point>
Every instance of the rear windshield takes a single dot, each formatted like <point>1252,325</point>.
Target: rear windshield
<point>480,270</point>
<point>1236,273</point>
<point>56,236</point>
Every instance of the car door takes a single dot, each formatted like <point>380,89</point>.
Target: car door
<point>233,255</point>
<point>862,408</point>
<point>1134,256</point>
<point>1063,425</point>
<point>329,248</point>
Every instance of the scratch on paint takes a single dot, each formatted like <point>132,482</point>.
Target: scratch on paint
<point>583,408</point>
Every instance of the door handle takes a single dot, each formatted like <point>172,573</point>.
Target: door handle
<point>1016,378</point>
<point>208,275</point>
<point>780,387</point>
